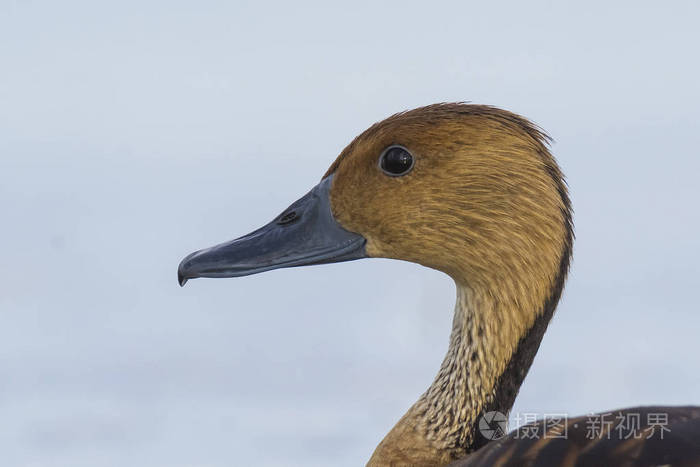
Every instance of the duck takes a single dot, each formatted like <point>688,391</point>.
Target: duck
<point>475,192</point>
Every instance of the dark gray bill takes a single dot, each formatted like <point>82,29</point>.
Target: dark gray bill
<point>305,233</point>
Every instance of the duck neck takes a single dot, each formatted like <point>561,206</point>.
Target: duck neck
<point>492,345</point>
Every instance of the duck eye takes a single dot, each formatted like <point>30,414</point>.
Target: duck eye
<point>396,161</point>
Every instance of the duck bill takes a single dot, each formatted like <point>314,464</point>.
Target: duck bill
<point>305,233</point>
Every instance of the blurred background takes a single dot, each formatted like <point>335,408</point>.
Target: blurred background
<point>132,133</point>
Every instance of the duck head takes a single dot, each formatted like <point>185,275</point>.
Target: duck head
<point>469,190</point>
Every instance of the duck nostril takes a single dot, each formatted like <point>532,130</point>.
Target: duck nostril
<point>287,218</point>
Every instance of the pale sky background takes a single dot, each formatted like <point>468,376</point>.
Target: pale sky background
<point>132,133</point>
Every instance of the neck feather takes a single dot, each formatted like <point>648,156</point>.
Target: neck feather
<point>492,345</point>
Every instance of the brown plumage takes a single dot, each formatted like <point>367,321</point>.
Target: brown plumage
<point>600,440</point>
<point>486,203</point>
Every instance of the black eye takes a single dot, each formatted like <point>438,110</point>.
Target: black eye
<point>396,161</point>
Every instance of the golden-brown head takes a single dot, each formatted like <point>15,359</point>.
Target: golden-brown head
<point>484,201</point>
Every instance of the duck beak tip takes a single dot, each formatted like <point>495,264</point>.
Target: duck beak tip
<point>181,277</point>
